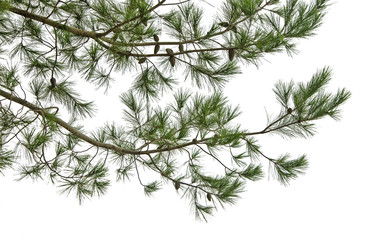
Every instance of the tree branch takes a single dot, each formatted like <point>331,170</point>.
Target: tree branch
<point>53,23</point>
<point>79,134</point>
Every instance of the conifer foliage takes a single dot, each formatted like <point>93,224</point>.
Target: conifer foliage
<point>45,44</point>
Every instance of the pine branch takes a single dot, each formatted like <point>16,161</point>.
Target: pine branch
<point>56,38</point>
<point>46,20</point>
<point>44,112</point>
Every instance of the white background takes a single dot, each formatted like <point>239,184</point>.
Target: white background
<point>330,202</point>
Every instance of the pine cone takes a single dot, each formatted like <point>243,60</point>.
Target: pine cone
<point>224,24</point>
<point>156,38</point>
<point>209,197</point>
<point>53,82</point>
<point>172,60</point>
<point>156,48</point>
<point>177,185</point>
<point>169,51</point>
<point>142,60</point>
<point>231,54</point>
<point>181,48</point>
